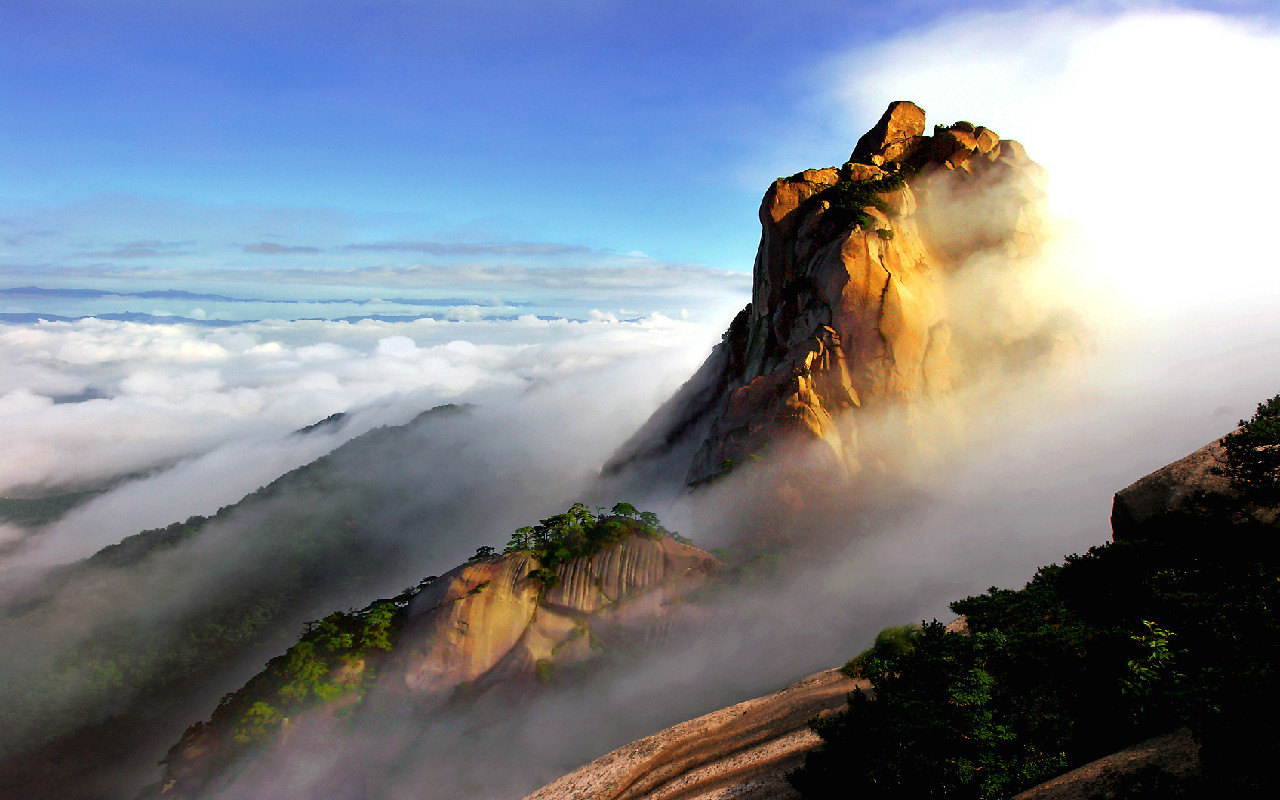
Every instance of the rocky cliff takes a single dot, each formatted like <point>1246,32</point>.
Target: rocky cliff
<point>491,620</point>
<point>509,620</point>
<point>884,281</point>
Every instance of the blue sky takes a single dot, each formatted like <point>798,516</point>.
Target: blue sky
<point>250,135</point>
<point>613,125</point>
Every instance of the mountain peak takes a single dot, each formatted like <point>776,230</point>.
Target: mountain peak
<point>901,123</point>
<point>882,282</point>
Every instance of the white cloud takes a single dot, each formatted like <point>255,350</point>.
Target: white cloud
<point>1150,122</point>
<point>225,399</point>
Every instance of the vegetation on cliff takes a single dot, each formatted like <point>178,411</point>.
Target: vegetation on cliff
<point>1175,626</point>
<point>1252,461</point>
<point>849,200</point>
<point>581,533</point>
<point>336,660</point>
<point>333,659</point>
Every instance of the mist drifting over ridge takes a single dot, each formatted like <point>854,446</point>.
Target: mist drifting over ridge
<point>1183,351</point>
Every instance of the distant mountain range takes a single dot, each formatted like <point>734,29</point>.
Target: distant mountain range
<point>180,294</point>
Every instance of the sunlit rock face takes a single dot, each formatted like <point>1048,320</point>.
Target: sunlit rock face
<point>856,292</point>
<point>491,620</point>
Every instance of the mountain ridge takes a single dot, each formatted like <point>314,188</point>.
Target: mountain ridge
<point>500,622</point>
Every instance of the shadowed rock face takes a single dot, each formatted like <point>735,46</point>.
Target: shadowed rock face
<point>1179,499</point>
<point>1157,768</point>
<point>850,305</point>
<point>1187,488</point>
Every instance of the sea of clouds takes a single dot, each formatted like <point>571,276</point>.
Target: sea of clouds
<point>1146,120</point>
<point>211,410</point>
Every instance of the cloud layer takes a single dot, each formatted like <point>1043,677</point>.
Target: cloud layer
<point>160,392</point>
<point>1149,122</point>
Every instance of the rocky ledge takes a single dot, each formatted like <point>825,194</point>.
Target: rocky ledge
<point>743,751</point>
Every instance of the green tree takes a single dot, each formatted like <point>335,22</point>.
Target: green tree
<point>1252,457</point>
<point>522,539</point>
<point>257,723</point>
<point>890,643</point>
<point>625,510</point>
<point>932,730</point>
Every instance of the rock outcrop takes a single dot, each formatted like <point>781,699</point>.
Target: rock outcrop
<point>1157,768</point>
<point>1187,488</point>
<point>851,305</point>
<point>743,751</point>
<point>491,621</point>
<point>499,622</point>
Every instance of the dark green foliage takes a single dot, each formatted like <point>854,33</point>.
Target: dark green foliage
<point>579,532</point>
<point>49,507</point>
<point>1253,455</point>
<point>336,657</point>
<point>331,421</point>
<point>625,510</point>
<point>32,512</point>
<point>849,198</point>
<point>320,542</point>
<point>933,730</point>
<point>1127,641</point>
<point>135,548</point>
<point>483,552</point>
<point>892,642</point>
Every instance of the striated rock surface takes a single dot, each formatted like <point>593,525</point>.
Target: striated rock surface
<point>742,752</point>
<point>491,621</point>
<point>852,304</point>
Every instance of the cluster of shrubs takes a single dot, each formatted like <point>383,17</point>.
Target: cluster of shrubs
<point>848,199</point>
<point>335,657</point>
<point>1174,626</point>
<point>1252,456</point>
<point>577,533</point>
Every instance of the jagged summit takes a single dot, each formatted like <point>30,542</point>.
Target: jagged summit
<point>854,296</point>
<point>902,124</point>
